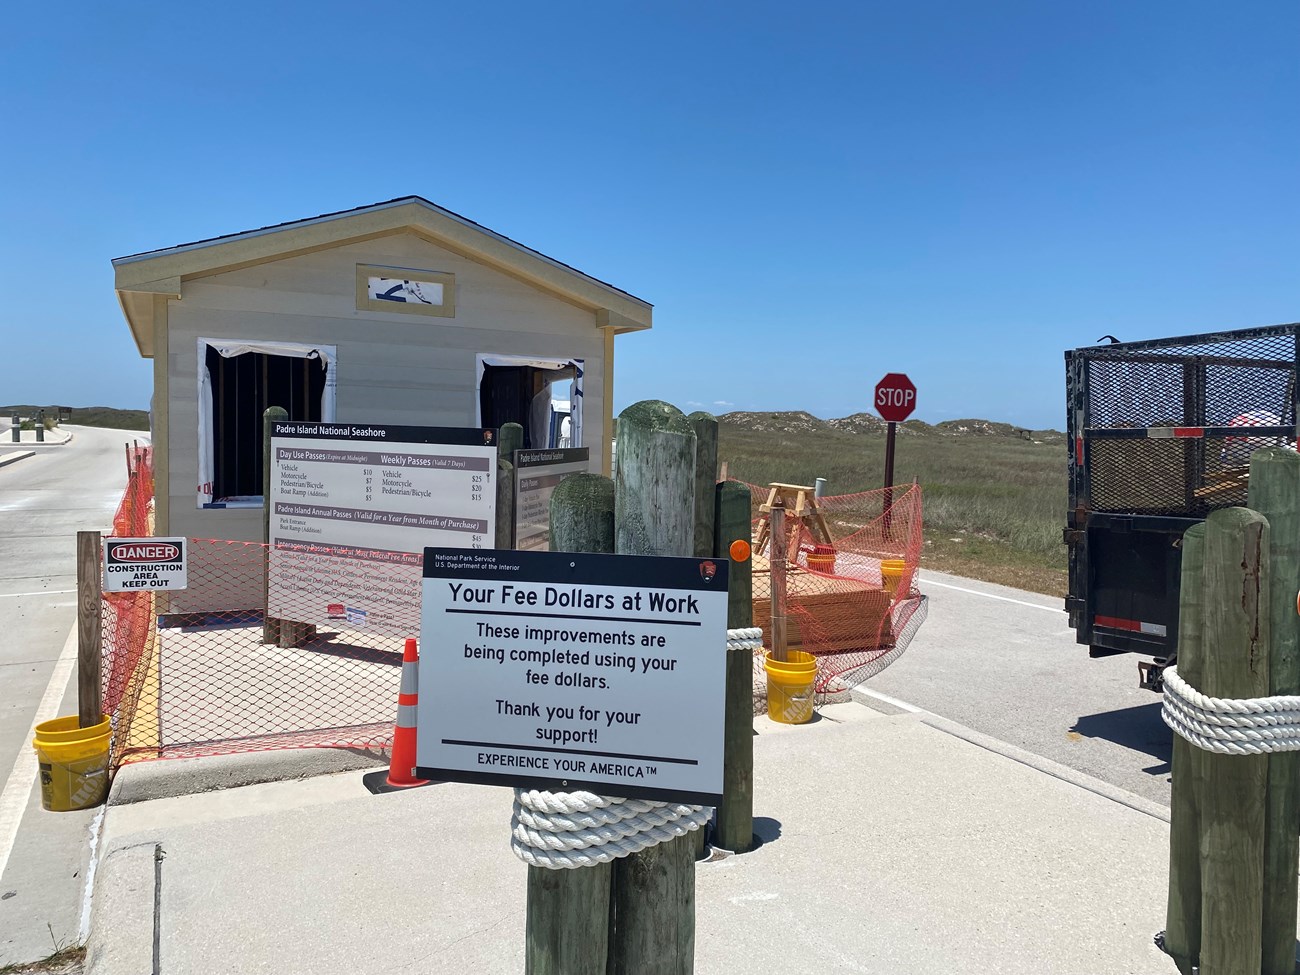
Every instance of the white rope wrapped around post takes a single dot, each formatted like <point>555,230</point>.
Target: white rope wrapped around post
<point>1245,726</point>
<point>747,638</point>
<point>567,830</point>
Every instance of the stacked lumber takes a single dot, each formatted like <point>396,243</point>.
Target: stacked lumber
<point>1224,485</point>
<point>854,615</point>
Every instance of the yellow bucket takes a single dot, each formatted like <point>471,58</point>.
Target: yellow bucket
<point>790,687</point>
<point>891,571</point>
<point>73,763</point>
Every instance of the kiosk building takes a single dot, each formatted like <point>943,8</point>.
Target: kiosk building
<point>399,313</point>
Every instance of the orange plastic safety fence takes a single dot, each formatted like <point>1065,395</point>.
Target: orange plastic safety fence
<point>220,679</point>
<point>851,563</point>
<point>199,671</point>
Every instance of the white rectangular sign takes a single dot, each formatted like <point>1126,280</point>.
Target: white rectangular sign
<point>353,506</point>
<point>563,672</point>
<point>537,474</point>
<point>144,563</point>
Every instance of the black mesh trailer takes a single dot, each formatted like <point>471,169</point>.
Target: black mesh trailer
<point>1160,434</point>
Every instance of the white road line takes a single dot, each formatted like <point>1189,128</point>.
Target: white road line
<point>43,592</point>
<point>18,787</point>
<point>88,891</point>
<point>989,595</point>
<point>892,701</point>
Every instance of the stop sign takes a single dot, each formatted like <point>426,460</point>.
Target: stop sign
<point>895,397</point>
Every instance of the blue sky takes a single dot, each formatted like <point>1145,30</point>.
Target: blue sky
<point>811,196</point>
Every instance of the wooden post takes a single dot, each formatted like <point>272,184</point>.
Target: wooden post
<point>777,550</point>
<point>1183,914</point>
<point>1275,494</point>
<point>288,633</point>
<point>90,597</point>
<point>1232,798</point>
<point>654,495</point>
<point>505,523</point>
<point>567,929</point>
<point>653,910</point>
<point>705,426</point>
<point>735,829</point>
<point>270,626</point>
<point>509,439</point>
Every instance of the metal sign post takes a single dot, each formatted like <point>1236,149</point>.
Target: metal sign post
<point>895,401</point>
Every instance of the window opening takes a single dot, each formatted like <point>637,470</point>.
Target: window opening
<point>544,396</point>
<point>238,381</point>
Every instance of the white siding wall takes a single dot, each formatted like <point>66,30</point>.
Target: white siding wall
<point>392,368</point>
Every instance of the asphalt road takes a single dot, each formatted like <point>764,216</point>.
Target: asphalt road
<point>44,501</point>
<point>1004,663</point>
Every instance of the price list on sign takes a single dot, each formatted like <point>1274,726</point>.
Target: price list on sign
<point>352,507</point>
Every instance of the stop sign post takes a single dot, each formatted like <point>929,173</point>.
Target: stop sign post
<point>895,401</point>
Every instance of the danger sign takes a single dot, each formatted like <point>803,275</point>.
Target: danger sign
<point>144,563</point>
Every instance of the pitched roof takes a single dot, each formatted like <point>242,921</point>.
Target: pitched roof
<point>161,271</point>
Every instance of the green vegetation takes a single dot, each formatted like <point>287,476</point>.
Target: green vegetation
<point>994,496</point>
<point>64,961</point>
<point>86,416</point>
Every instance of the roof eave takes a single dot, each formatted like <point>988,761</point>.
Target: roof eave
<point>148,271</point>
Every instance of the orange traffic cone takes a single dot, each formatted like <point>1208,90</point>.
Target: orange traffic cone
<point>401,766</point>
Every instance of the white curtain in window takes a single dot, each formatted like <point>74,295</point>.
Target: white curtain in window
<point>574,367</point>
<point>228,348</point>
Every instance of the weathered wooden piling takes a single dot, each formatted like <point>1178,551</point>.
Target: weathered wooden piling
<point>705,426</point>
<point>653,909</point>
<point>1231,798</point>
<point>1275,494</point>
<point>568,911</point>
<point>1183,914</point>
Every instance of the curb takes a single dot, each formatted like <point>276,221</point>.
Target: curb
<point>48,443</point>
<point>14,458</point>
<point>171,777</point>
<point>889,705</point>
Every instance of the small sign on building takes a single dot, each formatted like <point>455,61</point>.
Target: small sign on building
<point>539,471</point>
<point>132,564</point>
<point>557,671</point>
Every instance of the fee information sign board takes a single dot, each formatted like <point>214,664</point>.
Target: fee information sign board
<point>537,474</point>
<point>565,672</point>
<point>353,506</point>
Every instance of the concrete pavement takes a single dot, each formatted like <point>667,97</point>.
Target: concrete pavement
<point>1005,663</point>
<point>890,846</point>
